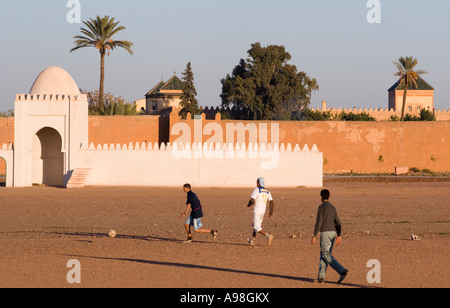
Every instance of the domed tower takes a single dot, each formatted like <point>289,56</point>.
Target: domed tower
<point>51,125</point>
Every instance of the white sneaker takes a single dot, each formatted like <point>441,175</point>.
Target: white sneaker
<point>251,241</point>
<point>188,241</point>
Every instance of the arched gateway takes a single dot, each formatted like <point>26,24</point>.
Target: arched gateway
<point>51,124</point>
<point>48,159</point>
<point>2,172</point>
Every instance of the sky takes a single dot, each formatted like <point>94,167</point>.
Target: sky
<point>330,40</point>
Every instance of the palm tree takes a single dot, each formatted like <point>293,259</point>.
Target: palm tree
<point>99,34</point>
<point>408,77</point>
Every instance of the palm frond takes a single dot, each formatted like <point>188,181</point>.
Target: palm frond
<point>399,67</point>
<point>420,72</point>
<point>123,44</point>
<point>92,27</point>
<point>88,34</point>
<point>413,82</point>
<point>98,33</point>
<point>114,31</point>
<point>80,46</point>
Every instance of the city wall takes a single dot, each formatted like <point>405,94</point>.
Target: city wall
<point>123,129</point>
<point>346,146</point>
<point>146,164</point>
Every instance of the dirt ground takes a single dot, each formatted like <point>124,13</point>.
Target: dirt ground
<point>42,228</point>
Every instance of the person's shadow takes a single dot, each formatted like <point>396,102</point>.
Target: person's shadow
<point>193,266</point>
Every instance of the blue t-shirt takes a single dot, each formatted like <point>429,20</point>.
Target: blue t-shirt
<point>196,207</point>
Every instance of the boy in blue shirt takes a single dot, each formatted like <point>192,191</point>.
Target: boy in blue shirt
<point>194,219</point>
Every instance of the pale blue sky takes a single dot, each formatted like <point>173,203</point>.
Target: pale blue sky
<point>330,40</point>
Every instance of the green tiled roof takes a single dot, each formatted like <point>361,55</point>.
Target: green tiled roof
<point>174,83</point>
<point>156,88</point>
<point>421,85</point>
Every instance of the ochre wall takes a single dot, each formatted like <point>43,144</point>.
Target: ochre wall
<point>357,146</point>
<point>6,130</point>
<point>123,129</point>
<point>104,129</point>
<point>6,136</point>
<point>346,146</point>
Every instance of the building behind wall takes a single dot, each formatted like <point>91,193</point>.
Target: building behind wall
<point>164,95</point>
<point>417,99</point>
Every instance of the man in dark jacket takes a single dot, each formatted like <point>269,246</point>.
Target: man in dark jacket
<point>329,226</point>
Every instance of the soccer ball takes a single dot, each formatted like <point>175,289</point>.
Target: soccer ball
<point>112,233</point>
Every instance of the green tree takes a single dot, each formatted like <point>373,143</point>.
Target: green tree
<point>411,118</point>
<point>111,105</point>
<point>265,86</point>
<point>312,115</point>
<point>394,118</point>
<point>364,116</point>
<point>317,115</point>
<point>407,77</point>
<point>99,34</point>
<point>427,115</point>
<point>9,113</point>
<point>188,101</point>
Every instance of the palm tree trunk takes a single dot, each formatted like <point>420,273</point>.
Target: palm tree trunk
<point>404,101</point>
<point>102,78</point>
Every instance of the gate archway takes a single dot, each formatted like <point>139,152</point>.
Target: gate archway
<point>48,158</point>
<point>3,173</point>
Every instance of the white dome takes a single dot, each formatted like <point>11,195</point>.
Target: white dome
<point>54,80</point>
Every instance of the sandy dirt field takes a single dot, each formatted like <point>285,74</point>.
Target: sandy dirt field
<point>42,228</point>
